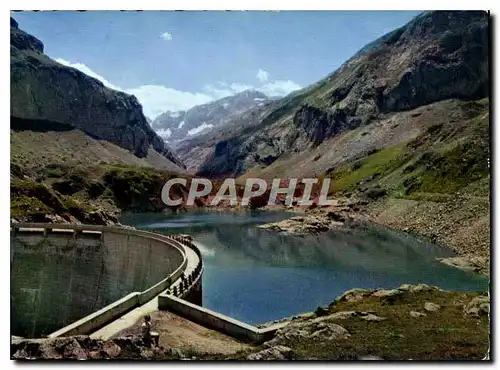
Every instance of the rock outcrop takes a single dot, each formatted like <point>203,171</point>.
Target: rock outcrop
<point>437,56</point>
<point>302,225</point>
<point>319,329</point>
<point>478,306</point>
<point>272,354</point>
<point>431,307</point>
<point>387,295</point>
<point>45,92</point>
<point>83,347</point>
<point>417,314</point>
<point>473,263</point>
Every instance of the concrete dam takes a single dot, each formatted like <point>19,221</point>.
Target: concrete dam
<point>75,279</point>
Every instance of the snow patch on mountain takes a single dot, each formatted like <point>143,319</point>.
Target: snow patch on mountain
<point>164,134</point>
<point>199,129</point>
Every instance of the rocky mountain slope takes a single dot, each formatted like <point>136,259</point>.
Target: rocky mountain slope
<point>80,152</point>
<point>403,126</point>
<point>437,56</point>
<point>177,126</point>
<point>46,95</point>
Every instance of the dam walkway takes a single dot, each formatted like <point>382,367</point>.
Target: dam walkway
<point>132,317</point>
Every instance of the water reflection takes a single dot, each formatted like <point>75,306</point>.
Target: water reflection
<point>256,275</point>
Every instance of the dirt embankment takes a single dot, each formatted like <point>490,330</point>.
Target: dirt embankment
<point>187,336</point>
<point>461,224</point>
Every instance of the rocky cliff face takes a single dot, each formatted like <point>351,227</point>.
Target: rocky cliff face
<point>177,126</point>
<point>44,90</point>
<point>437,56</point>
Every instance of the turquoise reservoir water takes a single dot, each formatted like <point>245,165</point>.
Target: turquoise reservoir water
<point>256,275</point>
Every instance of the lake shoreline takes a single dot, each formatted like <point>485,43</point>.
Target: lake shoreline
<point>354,213</point>
<point>245,253</point>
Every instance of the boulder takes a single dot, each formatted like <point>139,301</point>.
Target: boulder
<point>341,315</point>
<point>328,331</point>
<point>354,295</point>
<point>53,348</point>
<point>176,353</point>
<point>478,306</point>
<point>320,327</point>
<point>371,317</point>
<point>74,350</point>
<point>81,348</point>
<point>110,350</point>
<point>375,193</point>
<point>274,353</point>
<point>418,288</point>
<point>392,294</point>
<point>476,264</point>
<point>417,314</point>
<point>431,307</point>
<point>320,311</point>
<point>370,358</point>
<point>55,219</point>
<point>335,216</point>
<point>387,293</point>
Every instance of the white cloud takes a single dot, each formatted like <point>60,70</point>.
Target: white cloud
<point>200,128</point>
<point>217,92</point>
<point>279,88</point>
<point>273,88</point>
<point>237,87</point>
<point>181,124</point>
<point>262,75</point>
<point>223,89</point>
<point>157,99</point>
<point>166,36</point>
<point>88,71</point>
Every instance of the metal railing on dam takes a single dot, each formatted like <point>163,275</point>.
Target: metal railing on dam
<point>185,277</point>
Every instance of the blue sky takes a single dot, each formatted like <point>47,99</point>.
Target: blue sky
<point>175,60</point>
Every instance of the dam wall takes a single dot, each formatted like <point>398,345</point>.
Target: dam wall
<point>73,279</point>
<point>216,320</point>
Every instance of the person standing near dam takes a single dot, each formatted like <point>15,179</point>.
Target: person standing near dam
<point>149,337</point>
